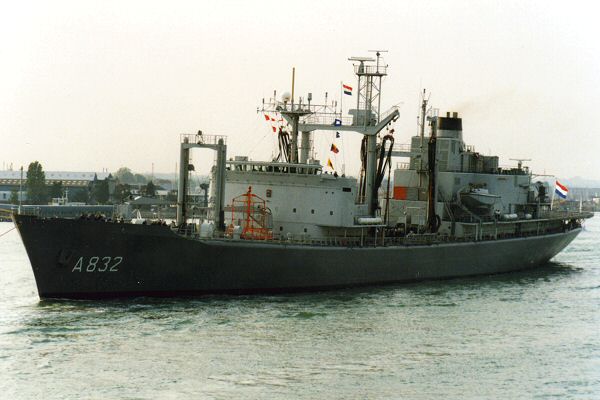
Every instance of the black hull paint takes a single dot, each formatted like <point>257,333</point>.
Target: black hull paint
<point>151,260</point>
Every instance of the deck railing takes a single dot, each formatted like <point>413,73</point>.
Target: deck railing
<point>380,240</point>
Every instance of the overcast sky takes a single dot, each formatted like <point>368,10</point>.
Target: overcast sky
<point>90,85</point>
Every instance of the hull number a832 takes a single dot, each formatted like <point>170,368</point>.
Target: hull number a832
<point>98,264</point>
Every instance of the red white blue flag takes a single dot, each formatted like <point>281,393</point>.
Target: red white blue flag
<point>347,89</point>
<point>561,190</point>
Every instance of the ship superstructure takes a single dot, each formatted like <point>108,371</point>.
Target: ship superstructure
<point>460,193</point>
<point>286,224</point>
<point>473,196</point>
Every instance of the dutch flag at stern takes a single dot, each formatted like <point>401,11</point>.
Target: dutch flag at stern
<point>561,190</point>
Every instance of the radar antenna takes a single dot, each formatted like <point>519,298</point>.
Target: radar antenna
<point>520,162</point>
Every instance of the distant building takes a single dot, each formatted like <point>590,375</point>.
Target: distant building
<point>11,180</point>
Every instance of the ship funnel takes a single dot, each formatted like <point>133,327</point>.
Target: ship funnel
<point>450,126</point>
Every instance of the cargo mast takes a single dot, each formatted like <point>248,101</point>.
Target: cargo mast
<point>216,143</point>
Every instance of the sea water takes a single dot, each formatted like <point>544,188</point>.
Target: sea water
<point>532,334</point>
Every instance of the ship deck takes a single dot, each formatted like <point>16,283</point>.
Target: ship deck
<point>376,237</point>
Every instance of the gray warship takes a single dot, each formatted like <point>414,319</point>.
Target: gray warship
<point>291,224</point>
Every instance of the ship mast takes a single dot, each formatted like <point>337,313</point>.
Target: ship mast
<point>366,119</point>
<point>423,117</point>
<point>422,132</point>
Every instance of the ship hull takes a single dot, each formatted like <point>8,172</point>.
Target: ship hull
<point>94,259</point>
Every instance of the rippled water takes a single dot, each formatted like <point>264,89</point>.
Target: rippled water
<point>531,334</point>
